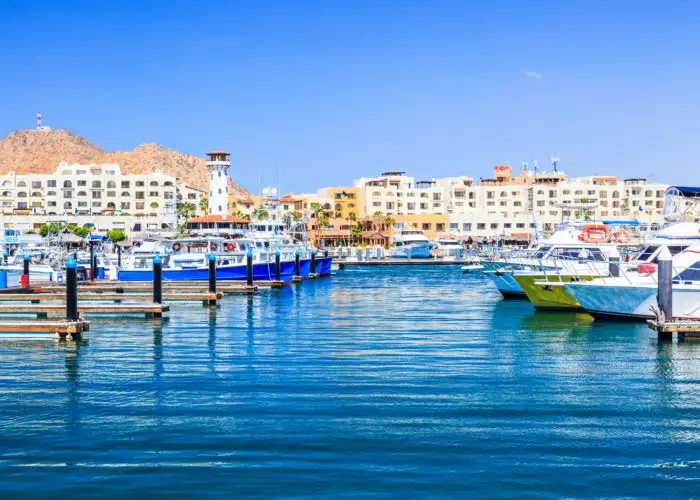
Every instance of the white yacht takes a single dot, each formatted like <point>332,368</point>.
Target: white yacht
<point>448,248</point>
<point>411,244</point>
<point>632,295</point>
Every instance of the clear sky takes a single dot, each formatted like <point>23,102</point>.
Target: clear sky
<point>332,90</point>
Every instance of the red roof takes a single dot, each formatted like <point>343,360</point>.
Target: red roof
<point>216,218</point>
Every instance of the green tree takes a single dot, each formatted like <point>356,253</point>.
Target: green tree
<point>154,205</point>
<point>116,235</point>
<point>186,210</point>
<point>47,229</point>
<point>389,222</point>
<point>356,233</point>
<point>352,216</point>
<point>261,212</point>
<point>378,213</point>
<point>204,204</point>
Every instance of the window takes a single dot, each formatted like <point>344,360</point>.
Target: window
<point>168,195</point>
<point>82,204</point>
<point>466,226</point>
<point>439,226</point>
<point>426,226</point>
<point>506,225</point>
<point>96,204</point>
<point>52,203</point>
<point>424,206</point>
<point>155,194</point>
<point>82,183</point>
<point>481,225</point>
<point>494,225</point>
<point>67,184</point>
<point>36,185</point>
<point>21,184</point>
<point>140,195</point>
<point>82,193</point>
<point>51,183</point>
<point>140,205</point>
<point>126,184</point>
<point>125,205</point>
<point>36,193</point>
<point>153,183</point>
<point>97,195</point>
<point>51,193</point>
<point>111,194</point>
<point>191,196</point>
<point>21,194</point>
<point>140,184</point>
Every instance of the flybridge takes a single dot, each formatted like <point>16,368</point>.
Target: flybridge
<point>682,203</point>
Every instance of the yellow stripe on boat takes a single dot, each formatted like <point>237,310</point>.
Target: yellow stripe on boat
<point>545,292</point>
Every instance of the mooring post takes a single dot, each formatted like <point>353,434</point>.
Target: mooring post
<point>212,277</point>
<point>313,261</point>
<point>94,267</point>
<point>249,268</point>
<point>157,279</point>
<point>665,288</point>
<point>325,253</point>
<point>71,290</point>
<point>25,271</point>
<point>92,260</point>
<point>614,266</point>
<point>5,255</point>
<point>297,263</point>
<point>119,255</point>
<point>278,274</point>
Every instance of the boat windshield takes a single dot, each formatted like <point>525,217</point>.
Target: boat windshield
<point>542,252</point>
<point>646,253</point>
<point>578,254</point>
<point>691,273</point>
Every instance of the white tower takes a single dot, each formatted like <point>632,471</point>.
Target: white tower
<point>218,163</point>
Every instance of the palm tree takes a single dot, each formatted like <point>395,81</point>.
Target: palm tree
<point>389,222</point>
<point>352,217</point>
<point>261,212</point>
<point>378,213</point>
<point>204,204</point>
<point>356,233</point>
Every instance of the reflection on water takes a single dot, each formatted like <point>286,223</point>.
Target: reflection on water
<point>378,382</point>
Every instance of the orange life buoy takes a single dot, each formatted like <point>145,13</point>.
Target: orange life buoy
<point>596,233</point>
<point>230,247</point>
<point>622,235</point>
<point>176,247</point>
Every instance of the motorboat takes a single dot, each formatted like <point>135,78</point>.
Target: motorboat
<point>448,249</point>
<point>631,295</point>
<point>411,244</point>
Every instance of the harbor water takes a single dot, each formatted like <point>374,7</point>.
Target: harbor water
<point>378,382</point>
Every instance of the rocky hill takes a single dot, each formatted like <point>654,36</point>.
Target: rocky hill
<point>40,151</point>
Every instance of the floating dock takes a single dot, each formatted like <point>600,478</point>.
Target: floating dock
<point>122,297</point>
<point>44,309</point>
<point>61,327</point>
<point>684,328</point>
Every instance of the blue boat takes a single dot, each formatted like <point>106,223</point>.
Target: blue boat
<point>261,272</point>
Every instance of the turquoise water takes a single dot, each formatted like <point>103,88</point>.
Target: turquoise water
<point>404,382</point>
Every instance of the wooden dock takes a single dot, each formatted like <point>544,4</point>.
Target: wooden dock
<point>61,327</point>
<point>45,309</point>
<point>122,297</point>
<point>684,328</point>
<point>144,287</point>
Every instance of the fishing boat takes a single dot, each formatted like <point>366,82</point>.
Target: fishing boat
<point>411,244</point>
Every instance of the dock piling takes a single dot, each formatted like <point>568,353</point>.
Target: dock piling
<point>5,255</point>
<point>664,296</point>
<point>278,276</point>
<point>249,268</point>
<point>119,256</point>
<point>93,269</point>
<point>313,261</point>
<point>212,276</point>
<point>157,281</point>
<point>297,264</point>
<point>71,290</point>
<point>25,271</point>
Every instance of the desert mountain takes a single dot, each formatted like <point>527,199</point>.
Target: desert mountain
<point>40,152</point>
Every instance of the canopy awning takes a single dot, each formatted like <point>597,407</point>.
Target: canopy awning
<point>689,191</point>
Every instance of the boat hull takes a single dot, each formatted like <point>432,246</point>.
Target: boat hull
<point>413,251</point>
<point>631,303</point>
<point>508,287</point>
<point>549,298</point>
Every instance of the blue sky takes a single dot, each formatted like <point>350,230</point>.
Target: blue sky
<point>332,90</point>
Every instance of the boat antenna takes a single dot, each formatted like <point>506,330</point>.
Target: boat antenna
<point>555,162</point>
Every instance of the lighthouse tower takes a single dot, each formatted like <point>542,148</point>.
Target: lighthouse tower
<point>218,163</point>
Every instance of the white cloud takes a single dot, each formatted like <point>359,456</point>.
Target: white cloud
<point>533,74</point>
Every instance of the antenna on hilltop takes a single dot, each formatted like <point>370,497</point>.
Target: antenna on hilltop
<point>38,120</point>
<point>555,162</point>
<point>534,166</point>
<point>524,167</point>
